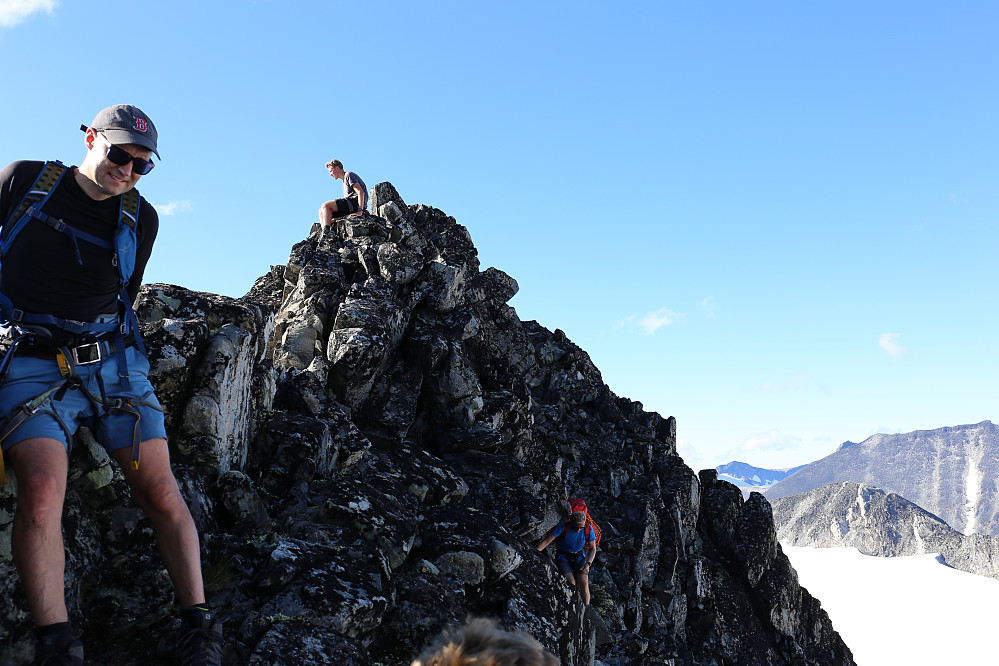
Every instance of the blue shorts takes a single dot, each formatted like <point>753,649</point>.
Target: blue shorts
<point>29,377</point>
<point>570,563</point>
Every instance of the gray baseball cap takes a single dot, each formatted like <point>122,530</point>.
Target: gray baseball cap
<point>124,123</point>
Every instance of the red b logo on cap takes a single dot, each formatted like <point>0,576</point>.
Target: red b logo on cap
<point>140,124</point>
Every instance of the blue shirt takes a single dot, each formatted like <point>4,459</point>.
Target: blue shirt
<point>573,540</point>
<point>349,180</point>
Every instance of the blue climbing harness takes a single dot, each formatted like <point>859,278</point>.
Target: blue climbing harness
<point>114,335</point>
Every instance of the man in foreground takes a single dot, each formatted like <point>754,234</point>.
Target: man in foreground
<point>73,255</point>
<point>355,195</point>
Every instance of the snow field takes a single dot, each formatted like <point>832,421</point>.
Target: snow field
<point>902,611</point>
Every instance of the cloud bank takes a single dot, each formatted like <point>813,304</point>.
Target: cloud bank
<point>888,342</point>
<point>770,441</point>
<point>708,307</point>
<point>798,382</point>
<point>653,321</point>
<point>173,207</point>
<point>13,12</point>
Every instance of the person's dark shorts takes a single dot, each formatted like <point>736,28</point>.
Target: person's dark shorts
<point>346,206</point>
<point>570,563</point>
<point>29,377</point>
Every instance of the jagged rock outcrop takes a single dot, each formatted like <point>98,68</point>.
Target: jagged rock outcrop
<point>950,472</point>
<point>372,441</point>
<point>879,524</point>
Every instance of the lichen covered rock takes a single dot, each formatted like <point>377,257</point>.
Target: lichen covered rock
<point>372,441</point>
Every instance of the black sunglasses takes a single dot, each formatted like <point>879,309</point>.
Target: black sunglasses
<point>121,157</point>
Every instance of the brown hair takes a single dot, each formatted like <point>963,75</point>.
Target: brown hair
<point>482,642</point>
<point>334,163</point>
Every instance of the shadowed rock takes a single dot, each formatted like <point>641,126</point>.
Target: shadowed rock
<point>372,441</point>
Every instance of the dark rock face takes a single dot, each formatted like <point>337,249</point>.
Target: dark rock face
<point>879,524</point>
<point>371,442</point>
<point>943,471</point>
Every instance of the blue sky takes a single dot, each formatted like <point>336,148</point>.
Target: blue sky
<point>772,220</point>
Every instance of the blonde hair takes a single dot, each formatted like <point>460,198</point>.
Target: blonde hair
<point>482,643</point>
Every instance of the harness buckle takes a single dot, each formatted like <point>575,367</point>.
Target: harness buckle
<point>87,354</point>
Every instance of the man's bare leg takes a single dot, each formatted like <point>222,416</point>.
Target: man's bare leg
<point>40,464</point>
<point>326,213</point>
<point>159,496</point>
<point>584,588</point>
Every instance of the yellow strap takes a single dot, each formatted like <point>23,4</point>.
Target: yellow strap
<point>127,406</point>
<point>135,439</point>
<point>63,362</point>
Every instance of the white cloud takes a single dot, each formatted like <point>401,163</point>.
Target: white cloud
<point>692,457</point>
<point>653,321</point>
<point>173,207</point>
<point>13,12</point>
<point>888,342</point>
<point>708,307</point>
<point>770,441</point>
<point>798,382</point>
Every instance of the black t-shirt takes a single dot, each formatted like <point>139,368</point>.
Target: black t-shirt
<point>41,273</point>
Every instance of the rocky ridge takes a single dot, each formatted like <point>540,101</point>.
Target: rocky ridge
<point>879,524</point>
<point>371,441</point>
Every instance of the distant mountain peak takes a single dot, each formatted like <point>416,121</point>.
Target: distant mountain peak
<point>747,476</point>
<point>878,523</point>
<point>949,471</point>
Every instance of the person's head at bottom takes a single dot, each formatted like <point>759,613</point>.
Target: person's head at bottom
<point>482,642</point>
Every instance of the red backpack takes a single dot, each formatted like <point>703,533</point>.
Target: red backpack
<point>577,504</point>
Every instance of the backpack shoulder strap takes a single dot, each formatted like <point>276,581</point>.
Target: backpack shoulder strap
<point>130,209</point>
<point>36,197</point>
<point>126,238</point>
<point>126,248</point>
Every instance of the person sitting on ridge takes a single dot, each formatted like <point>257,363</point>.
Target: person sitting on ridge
<point>576,547</point>
<point>355,195</point>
